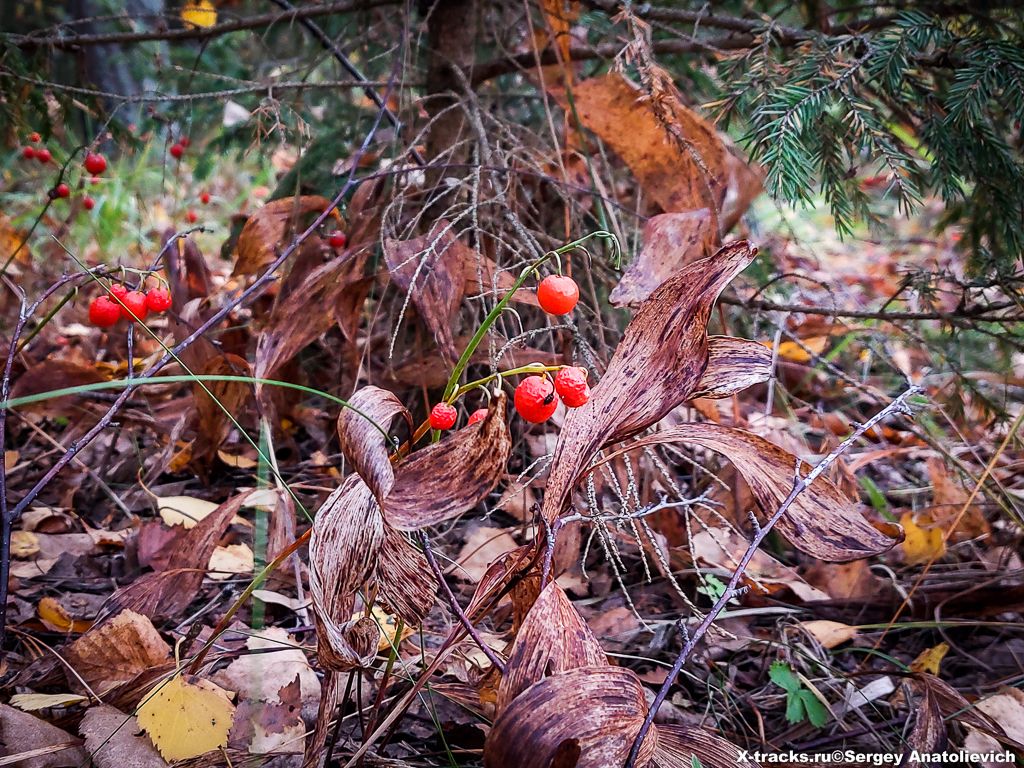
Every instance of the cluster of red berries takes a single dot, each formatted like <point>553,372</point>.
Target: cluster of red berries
<point>536,398</point>
<point>105,311</point>
<point>94,163</point>
<point>42,154</point>
<point>178,148</point>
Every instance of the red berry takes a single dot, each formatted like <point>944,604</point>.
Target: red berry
<point>104,312</point>
<point>337,240</point>
<point>536,399</point>
<point>88,203</point>
<point>134,306</point>
<point>34,137</point>
<point>118,290</point>
<point>177,151</point>
<point>158,300</point>
<point>192,217</point>
<point>94,181</point>
<point>477,415</point>
<point>95,163</point>
<point>205,198</point>
<point>62,190</point>
<point>28,153</point>
<point>442,416</point>
<point>43,155</point>
<point>558,294</point>
<point>571,386</point>
<point>185,141</point>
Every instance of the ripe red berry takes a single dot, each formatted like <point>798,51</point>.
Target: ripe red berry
<point>118,290</point>
<point>104,312</point>
<point>536,399</point>
<point>43,155</point>
<point>134,306</point>
<point>205,198</point>
<point>558,294</point>
<point>571,386</point>
<point>185,141</point>
<point>95,163</point>
<point>442,416</point>
<point>28,153</point>
<point>62,190</point>
<point>34,137</point>
<point>478,415</point>
<point>177,151</point>
<point>88,203</point>
<point>337,240</point>
<point>158,300</point>
<point>192,217</point>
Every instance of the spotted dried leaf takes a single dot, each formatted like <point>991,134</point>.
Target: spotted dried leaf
<point>445,479</point>
<point>822,521</point>
<point>657,365</point>
<point>554,638</point>
<point>363,443</point>
<point>430,270</point>
<point>406,584</point>
<point>534,731</point>
<point>265,231</point>
<point>733,365</point>
<point>671,240</point>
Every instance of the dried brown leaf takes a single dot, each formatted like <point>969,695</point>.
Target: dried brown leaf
<point>733,365</point>
<point>657,365</point>
<point>671,240</point>
<point>264,232</point>
<point>406,584</point>
<point>21,732</point>
<point>445,479</point>
<point>822,521</point>
<point>430,269</point>
<point>678,745</point>
<point>607,706</point>
<point>348,531</point>
<point>363,443</point>
<point>213,398</point>
<point>553,639</point>
<point>116,651</point>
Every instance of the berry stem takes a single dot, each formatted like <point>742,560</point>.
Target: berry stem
<point>492,316</point>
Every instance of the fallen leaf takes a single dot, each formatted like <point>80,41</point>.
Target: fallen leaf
<point>116,651</point>
<point>924,542</point>
<point>113,740</point>
<point>32,702</point>
<point>264,727</point>
<point>678,745</point>
<point>829,634</point>
<point>56,617</point>
<point>231,560</point>
<point>733,365</point>
<point>183,510</point>
<point>186,719</point>
<point>198,13</point>
<point>930,659</point>
<point>273,662</point>
<point>533,731</point>
<point>24,544</point>
<point>482,545</point>
<point>801,352</point>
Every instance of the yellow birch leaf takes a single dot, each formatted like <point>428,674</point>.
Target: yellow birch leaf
<point>929,659</point>
<point>184,719</point>
<point>199,13</point>
<point>32,702</point>
<point>923,542</point>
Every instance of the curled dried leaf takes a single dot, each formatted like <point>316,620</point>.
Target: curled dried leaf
<point>534,730</point>
<point>266,230</point>
<point>733,365</point>
<point>445,479</point>
<point>362,441</point>
<point>554,638</point>
<point>404,579</point>
<point>822,521</point>
<point>678,745</point>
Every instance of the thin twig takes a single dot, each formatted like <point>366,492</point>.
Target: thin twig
<point>800,484</point>
<point>454,603</point>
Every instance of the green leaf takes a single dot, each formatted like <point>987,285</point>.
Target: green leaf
<point>783,676</point>
<point>695,762</point>
<point>795,708</point>
<point>817,714</point>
